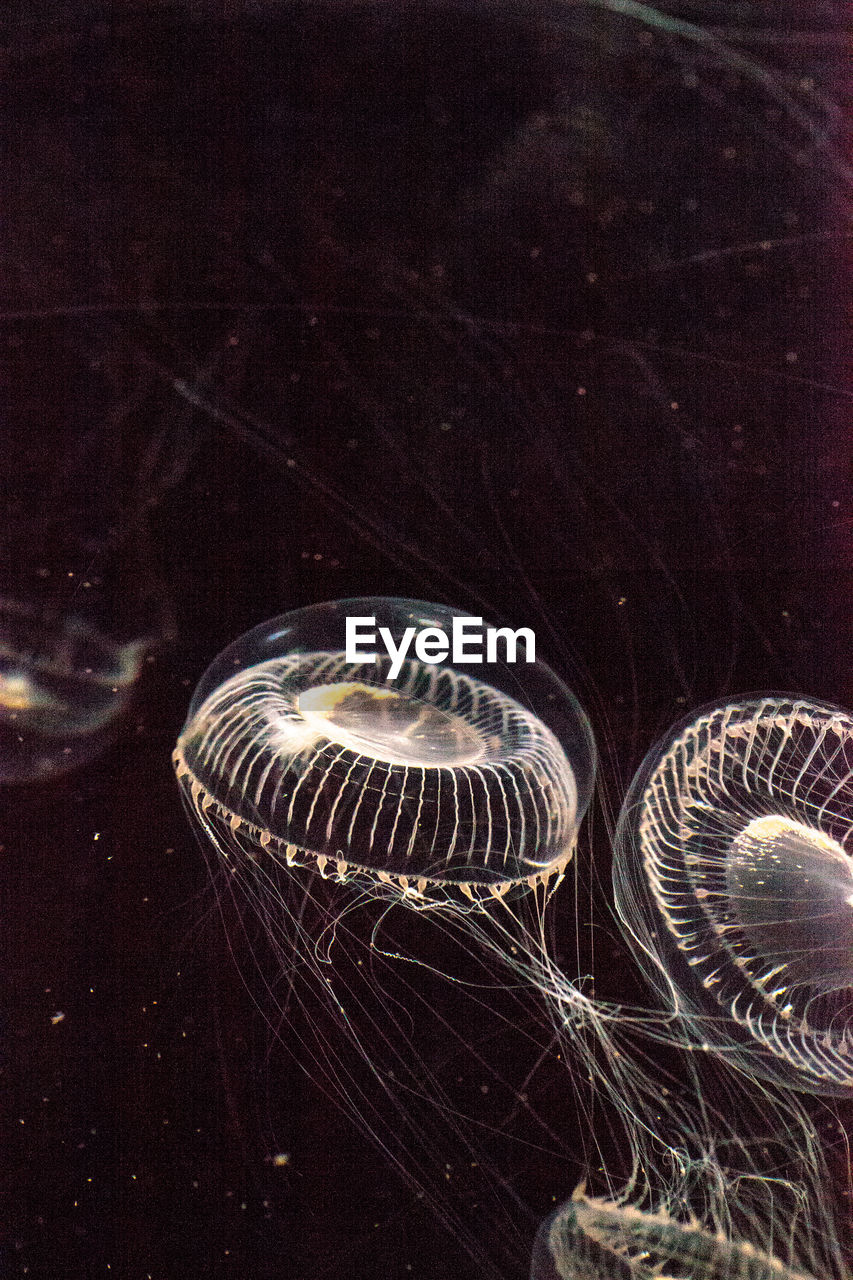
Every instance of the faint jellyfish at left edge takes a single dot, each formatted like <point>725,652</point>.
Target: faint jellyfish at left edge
<point>90,449</point>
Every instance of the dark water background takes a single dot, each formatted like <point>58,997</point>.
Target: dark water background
<point>534,310</point>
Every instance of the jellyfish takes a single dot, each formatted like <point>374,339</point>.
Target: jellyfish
<point>734,881</point>
<point>63,684</point>
<point>379,814</point>
<point>407,775</point>
<point>91,452</point>
<point>601,1239</point>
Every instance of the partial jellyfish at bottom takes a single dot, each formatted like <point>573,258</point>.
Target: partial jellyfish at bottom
<point>601,1239</point>
<point>733,879</point>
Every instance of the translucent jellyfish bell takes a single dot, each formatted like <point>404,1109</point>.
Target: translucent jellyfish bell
<point>734,877</point>
<point>429,777</point>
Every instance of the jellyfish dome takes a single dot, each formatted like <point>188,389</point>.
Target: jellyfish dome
<point>733,878</point>
<point>595,1239</point>
<point>393,743</point>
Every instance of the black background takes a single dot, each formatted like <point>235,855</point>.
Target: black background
<point>532,310</point>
